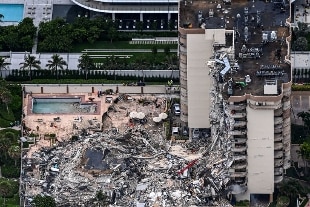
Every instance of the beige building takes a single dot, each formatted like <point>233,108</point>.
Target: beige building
<point>224,60</point>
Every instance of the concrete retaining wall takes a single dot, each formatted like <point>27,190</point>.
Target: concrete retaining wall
<point>94,88</point>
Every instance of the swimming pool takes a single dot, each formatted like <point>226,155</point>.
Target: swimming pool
<point>61,106</point>
<point>12,12</point>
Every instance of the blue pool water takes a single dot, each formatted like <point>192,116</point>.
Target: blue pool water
<point>61,106</point>
<point>12,12</point>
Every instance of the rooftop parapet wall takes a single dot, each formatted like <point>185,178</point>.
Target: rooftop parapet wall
<point>285,88</point>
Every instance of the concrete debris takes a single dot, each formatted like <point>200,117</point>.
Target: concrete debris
<point>133,163</point>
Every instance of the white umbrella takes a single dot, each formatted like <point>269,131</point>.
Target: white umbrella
<point>163,115</point>
<point>156,119</point>
<point>140,115</point>
<point>133,114</point>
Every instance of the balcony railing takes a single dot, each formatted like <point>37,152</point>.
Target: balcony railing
<point>278,112</point>
<point>239,123</point>
<point>238,115</point>
<point>237,132</point>
<point>240,157</point>
<point>278,178</point>
<point>278,146</point>
<point>278,162</point>
<point>278,120</point>
<point>239,149</point>
<point>278,137</point>
<point>239,140</point>
<point>239,166</point>
<point>236,107</point>
<point>238,174</point>
<point>278,154</point>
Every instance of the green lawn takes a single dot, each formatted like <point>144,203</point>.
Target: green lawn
<point>118,45</point>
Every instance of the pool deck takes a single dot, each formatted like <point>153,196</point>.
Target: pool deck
<point>38,10</point>
<point>72,124</point>
<point>83,101</point>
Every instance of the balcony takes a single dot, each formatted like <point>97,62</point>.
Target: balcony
<point>183,68</point>
<point>278,162</point>
<point>286,163</point>
<point>278,154</point>
<point>287,91</point>
<point>239,140</point>
<point>287,122</point>
<point>278,120</point>
<point>240,157</point>
<point>239,149</point>
<point>286,105</point>
<point>278,112</point>
<point>238,174</point>
<point>237,132</point>
<point>239,123</point>
<point>183,50</point>
<point>240,166</point>
<point>264,105</point>
<point>287,139</point>
<point>233,114</point>
<point>278,130</point>
<point>182,41</point>
<point>287,130</point>
<point>278,173</point>
<point>278,137</point>
<point>278,178</point>
<point>236,107</point>
<point>278,146</point>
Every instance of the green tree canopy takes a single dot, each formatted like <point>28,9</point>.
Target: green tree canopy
<point>44,201</point>
<point>14,152</point>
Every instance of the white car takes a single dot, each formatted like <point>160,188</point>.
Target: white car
<point>176,109</point>
<point>196,133</point>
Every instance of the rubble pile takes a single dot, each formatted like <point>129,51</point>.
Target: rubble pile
<point>133,163</point>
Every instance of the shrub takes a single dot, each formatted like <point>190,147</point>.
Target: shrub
<point>10,171</point>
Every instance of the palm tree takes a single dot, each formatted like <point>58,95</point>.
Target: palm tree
<point>14,152</point>
<point>56,62</point>
<point>85,63</point>
<point>3,63</point>
<point>30,62</point>
<point>112,64</point>
<point>304,153</point>
<point>5,143</point>
<point>5,94</point>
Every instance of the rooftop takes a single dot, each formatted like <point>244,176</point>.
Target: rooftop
<point>259,39</point>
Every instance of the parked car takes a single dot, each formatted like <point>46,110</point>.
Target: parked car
<point>196,133</point>
<point>176,109</point>
<point>175,130</point>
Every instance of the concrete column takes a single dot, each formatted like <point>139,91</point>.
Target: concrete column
<point>141,17</point>
<point>169,16</point>
<point>271,198</point>
<point>113,16</point>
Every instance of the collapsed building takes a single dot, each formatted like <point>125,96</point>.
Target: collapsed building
<point>235,79</point>
<point>128,157</point>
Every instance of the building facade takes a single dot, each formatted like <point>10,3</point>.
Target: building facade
<point>239,86</point>
<point>140,7</point>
